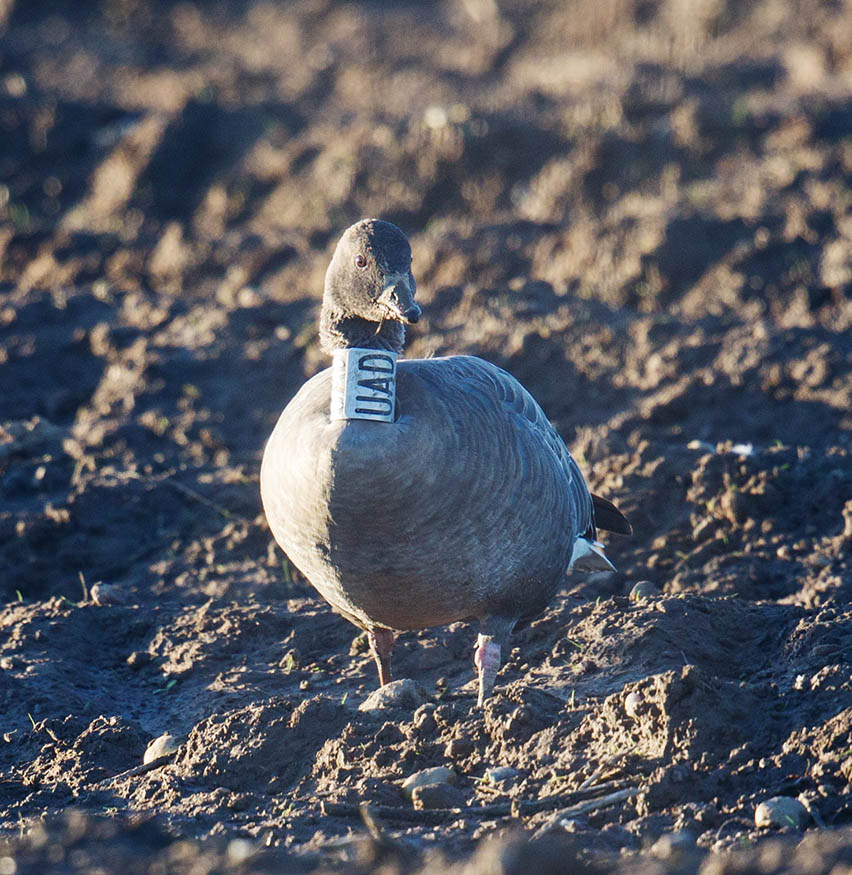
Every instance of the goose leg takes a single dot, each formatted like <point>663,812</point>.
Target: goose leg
<point>381,644</point>
<point>486,657</point>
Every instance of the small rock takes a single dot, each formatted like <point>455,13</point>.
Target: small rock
<point>404,693</point>
<point>160,747</point>
<point>671,845</point>
<point>107,594</point>
<point>239,850</point>
<point>705,447</point>
<point>436,775</point>
<point>501,775</point>
<point>437,796</point>
<point>744,449</point>
<point>633,704</point>
<point>424,718</point>
<point>644,589</point>
<point>781,811</point>
<point>458,748</point>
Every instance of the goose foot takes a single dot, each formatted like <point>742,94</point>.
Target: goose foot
<point>381,645</point>
<point>486,657</point>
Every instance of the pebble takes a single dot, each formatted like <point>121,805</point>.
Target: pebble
<point>404,693</point>
<point>672,844</point>
<point>501,775</point>
<point>437,796</point>
<point>644,589</point>
<point>160,747</point>
<point>781,811</point>
<point>107,594</point>
<point>436,775</point>
<point>633,704</point>
<point>239,850</point>
<point>705,447</point>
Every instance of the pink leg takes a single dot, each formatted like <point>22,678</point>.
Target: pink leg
<point>486,657</point>
<point>381,644</point>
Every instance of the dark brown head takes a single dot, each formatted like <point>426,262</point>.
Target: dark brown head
<point>369,289</point>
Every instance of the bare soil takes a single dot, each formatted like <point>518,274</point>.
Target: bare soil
<point>643,210</point>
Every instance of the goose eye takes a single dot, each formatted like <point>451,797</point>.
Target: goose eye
<point>360,262</point>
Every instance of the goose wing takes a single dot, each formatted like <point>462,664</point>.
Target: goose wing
<point>480,384</point>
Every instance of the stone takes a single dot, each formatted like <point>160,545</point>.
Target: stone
<point>161,746</point>
<point>501,775</point>
<point>405,693</point>
<point>436,775</point>
<point>672,845</point>
<point>239,851</point>
<point>644,589</point>
<point>781,811</point>
<point>633,704</point>
<point>107,594</point>
<point>437,796</point>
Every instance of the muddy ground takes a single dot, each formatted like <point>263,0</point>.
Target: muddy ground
<point>641,209</point>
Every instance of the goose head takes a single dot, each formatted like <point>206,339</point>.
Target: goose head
<point>369,289</point>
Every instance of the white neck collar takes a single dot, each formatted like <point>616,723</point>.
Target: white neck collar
<point>363,384</point>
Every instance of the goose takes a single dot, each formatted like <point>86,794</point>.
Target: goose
<point>419,492</point>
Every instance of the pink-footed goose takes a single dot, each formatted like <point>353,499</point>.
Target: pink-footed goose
<point>463,503</point>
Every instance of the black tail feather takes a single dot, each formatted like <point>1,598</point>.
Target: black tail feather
<point>609,518</point>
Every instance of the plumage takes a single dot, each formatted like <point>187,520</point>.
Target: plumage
<point>609,518</point>
<point>468,505</point>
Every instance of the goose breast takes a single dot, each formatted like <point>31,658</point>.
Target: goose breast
<point>467,505</point>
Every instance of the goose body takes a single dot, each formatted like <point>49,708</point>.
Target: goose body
<point>467,505</point>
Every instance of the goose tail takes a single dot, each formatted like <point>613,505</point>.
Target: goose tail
<point>589,555</point>
<point>609,518</point>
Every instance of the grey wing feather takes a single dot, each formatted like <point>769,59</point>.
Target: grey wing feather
<point>475,372</point>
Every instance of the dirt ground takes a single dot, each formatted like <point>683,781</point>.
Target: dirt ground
<point>641,209</point>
